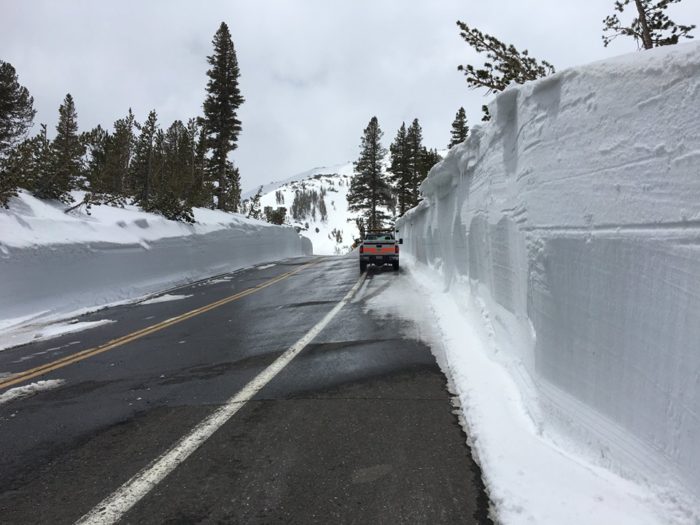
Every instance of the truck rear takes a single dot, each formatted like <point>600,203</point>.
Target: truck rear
<point>379,248</point>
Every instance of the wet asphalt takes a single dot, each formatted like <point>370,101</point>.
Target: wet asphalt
<point>358,428</point>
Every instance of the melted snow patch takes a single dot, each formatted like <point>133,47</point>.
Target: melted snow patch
<point>35,333</point>
<point>165,298</point>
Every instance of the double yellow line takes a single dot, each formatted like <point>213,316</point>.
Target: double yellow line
<point>114,343</point>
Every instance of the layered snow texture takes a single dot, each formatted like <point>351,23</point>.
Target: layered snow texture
<point>53,264</point>
<point>573,218</point>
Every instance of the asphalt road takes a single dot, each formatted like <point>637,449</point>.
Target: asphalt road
<point>356,428</point>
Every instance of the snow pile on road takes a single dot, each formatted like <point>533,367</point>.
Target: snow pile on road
<point>569,227</point>
<point>29,390</point>
<point>54,264</point>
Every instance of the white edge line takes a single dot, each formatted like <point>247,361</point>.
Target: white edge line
<point>111,509</point>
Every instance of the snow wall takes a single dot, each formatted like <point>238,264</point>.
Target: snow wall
<point>573,221</point>
<point>56,279</point>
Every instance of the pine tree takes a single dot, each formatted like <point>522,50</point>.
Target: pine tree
<point>171,173</point>
<point>67,152</point>
<point>27,165</point>
<point>17,170</point>
<point>428,159</point>
<point>505,64</point>
<point>369,190</point>
<point>322,210</point>
<point>651,28</point>
<point>16,109</point>
<point>119,155</point>
<point>142,167</point>
<point>460,130</point>
<point>221,117</point>
<point>399,170</point>
<point>96,143</point>
<point>255,212</point>
<point>275,216</point>
<point>414,141</point>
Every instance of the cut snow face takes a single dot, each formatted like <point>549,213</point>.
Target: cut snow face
<point>170,297</point>
<point>568,228</point>
<point>54,265</point>
<point>531,475</point>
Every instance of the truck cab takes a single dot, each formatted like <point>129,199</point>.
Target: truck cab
<point>379,248</point>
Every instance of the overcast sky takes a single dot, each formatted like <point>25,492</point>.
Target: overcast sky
<point>313,72</point>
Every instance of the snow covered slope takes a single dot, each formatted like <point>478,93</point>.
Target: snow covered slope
<point>570,226</point>
<point>53,264</point>
<point>335,234</point>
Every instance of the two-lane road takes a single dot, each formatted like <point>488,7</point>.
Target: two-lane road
<point>267,395</point>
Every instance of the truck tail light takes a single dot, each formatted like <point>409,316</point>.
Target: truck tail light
<point>396,249</point>
<point>362,249</point>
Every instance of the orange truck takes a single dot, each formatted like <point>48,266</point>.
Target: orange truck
<point>379,248</point>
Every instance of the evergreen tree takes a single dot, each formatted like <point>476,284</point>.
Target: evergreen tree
<point>369,190</point>
<point>651,27</point>
<point>255,212</point>
<point>16,109</point>
<point>460,130</point>
<point>119,153</point>
<point>171,173</point>
<point>17,170</point>
<point>221,118</point>
<point>231,191</point>
<point>505,64</point>
<point>275,216</point>
<point>142,167</point>
<point>96,143</point>
<point>428,159</point>
<point>200,192</point>
<point>27,165</point>
<point>66,155</point>
<point>414,141</point>
<point>399,170</point>
<point>322,210</point>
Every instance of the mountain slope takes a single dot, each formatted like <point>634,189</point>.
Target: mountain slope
<point>332,235</point>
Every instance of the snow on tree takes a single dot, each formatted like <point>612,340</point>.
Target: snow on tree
<point>650,28</point>
<point>369,190</point>
<point>221,118</point>
<point>460,129</point>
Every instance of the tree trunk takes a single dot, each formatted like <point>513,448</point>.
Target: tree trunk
<point>222,183</point>
<point>646,35</point>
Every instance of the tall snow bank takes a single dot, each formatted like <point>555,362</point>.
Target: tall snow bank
<point>52,263</point>
<point>571,223</point>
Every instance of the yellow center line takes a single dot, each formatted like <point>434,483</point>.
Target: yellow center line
<point>138,334</point>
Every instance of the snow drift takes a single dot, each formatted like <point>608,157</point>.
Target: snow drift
<point>572,221</point>
<point>53,264</point>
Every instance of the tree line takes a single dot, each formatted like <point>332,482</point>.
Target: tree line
<point>375,193</point>
<point>167,171</point>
